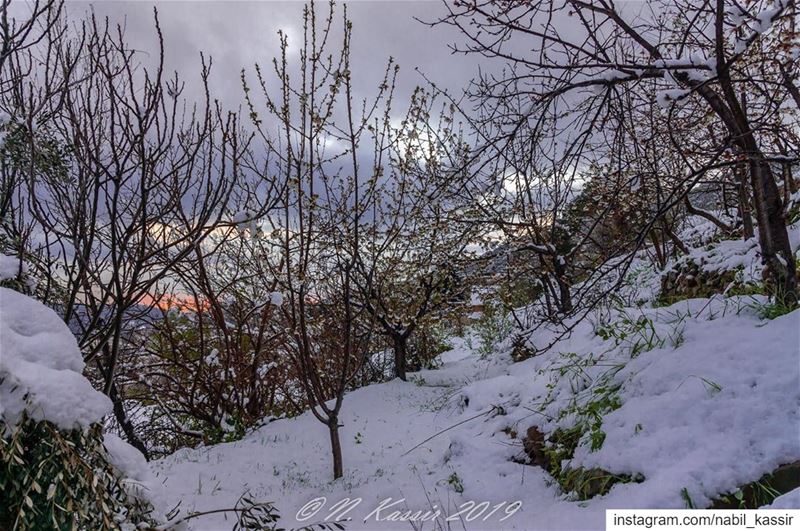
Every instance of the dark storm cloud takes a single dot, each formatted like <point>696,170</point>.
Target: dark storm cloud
<point>238,34</point>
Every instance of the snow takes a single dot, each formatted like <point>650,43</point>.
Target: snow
<point>276,298</point>
<point>613,75</point>
<point>41,367</point>
<point>10,267</point>
<point>766,17</point>
<point>476,298</point>
<point>136,476</point>
<point>729,254</point>
<point>695,63</point>
<point>760,24</point>
<point>601,81</point>
<point>790,500</point>
<point>212,358</point>
<point>736,14</point>
<point>708,394</point>
<point>747,428</point>
<point>246,220</point>
<point>126,459</point>
<point>41,377</point>
<point>664,98</point>
<point>263,370</point>
<point>716,404</point>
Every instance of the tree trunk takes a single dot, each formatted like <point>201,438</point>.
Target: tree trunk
<point>773,238</point>
<point>776,250</point>
<point>125,423</point>
<point>706,215</point>
<point>676,242</point>
<point>336,447</point>
<point>548,293</point>
<point>400,356</point>
<point>789,186</point>
<point>744,205</point>
<point>564,295</point>
<point>119,408</point>
<point>661,258</point>
<point>725,202</point>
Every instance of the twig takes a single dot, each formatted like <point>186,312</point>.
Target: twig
<point>494,408</point>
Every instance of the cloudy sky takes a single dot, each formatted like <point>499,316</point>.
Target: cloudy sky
<point>239,34</point>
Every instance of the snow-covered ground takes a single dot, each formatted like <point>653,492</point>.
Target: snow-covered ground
<point>694,399</point>
<point>710,400</point>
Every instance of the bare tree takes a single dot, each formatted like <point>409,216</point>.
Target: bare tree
<point>718,56</point>
<point>20,34</point>
<point>122,178</point>
<point>414,263</point>
<point>317,237</point>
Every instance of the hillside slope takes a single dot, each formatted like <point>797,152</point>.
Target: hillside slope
<point>694,400</point>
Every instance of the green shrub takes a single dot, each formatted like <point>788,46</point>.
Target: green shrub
<point>582,483</point>
<point>746,289</point>
<point>763,491</point>
<point>492,328</point>
<point>636,335</point>
<point>591,398</point>
<point>775,307</point>
<point>55,479</point>
<point>429,340</point>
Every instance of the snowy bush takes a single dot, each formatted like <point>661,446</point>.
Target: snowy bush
<point>492,328</point>
<point>55,472</point>
<point>14,273</point>
<point>53,478</point>
<point>41,366</point>
<point>210,376</point>
<point>430,339</point>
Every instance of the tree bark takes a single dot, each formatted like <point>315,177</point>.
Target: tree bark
<point>119,410</point>
<point>125,423</point>
<point>400,356</point>
<point>336,447</point>
<point>676,242</point>
<point>789,186</point>
<point>744,205</point>
<point>776,250</point>
<point>661,258</point>
<point>564,295</point>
